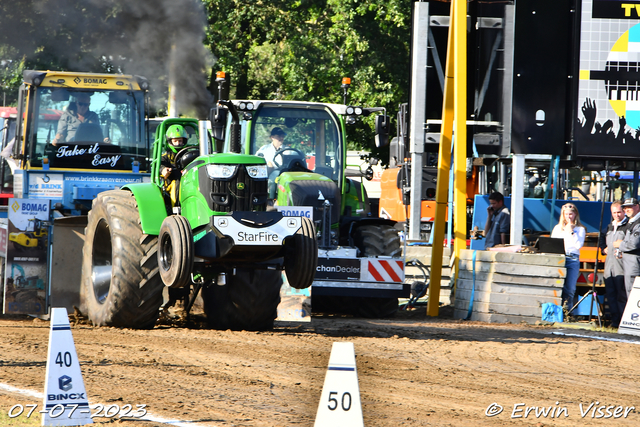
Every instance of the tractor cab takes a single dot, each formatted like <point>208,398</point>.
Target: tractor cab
<point>77,135</point>
<point>307,163</point>
<point>311,136</point>
<point>311,141</point>
<point>75,125</point>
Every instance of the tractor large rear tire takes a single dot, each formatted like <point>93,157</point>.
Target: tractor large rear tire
<point>121,285</point>
<point>373,240</point>
<point>301,257</point>
<point>248,301</point>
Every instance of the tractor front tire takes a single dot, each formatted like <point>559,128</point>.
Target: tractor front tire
<point>175,251</point>
<point>301,257</point>
<point>120,284</point>
<point>248,301</point>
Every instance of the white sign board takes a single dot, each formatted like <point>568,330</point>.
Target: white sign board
<point>630,323</point>
<point>46,186</point>
<point>305,211</point>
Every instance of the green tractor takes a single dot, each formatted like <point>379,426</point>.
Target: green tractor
<point>360,267</point>
<point>218,237</point>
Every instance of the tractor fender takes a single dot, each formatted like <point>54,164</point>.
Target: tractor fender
<point>150,205</point>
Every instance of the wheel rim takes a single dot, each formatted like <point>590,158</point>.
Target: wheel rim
<point>101,262</point>
<point>166,252</point>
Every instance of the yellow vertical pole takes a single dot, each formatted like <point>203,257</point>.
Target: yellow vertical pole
<point>460,118</point>
<point>442,182</point>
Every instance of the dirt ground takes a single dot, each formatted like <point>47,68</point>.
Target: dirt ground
<point>413,371</point>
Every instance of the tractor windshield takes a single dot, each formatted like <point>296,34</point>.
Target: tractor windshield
<point>310,138</point>
<point>87,129</point>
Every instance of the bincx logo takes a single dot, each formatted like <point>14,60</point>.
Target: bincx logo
<point>64,383</point>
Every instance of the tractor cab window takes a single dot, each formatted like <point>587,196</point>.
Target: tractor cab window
<point>82,129</point>
<point>310,139</point>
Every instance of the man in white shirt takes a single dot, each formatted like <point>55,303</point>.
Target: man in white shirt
<point>269,151</point>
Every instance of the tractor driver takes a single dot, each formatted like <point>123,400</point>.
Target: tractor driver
<point>268,151</point>
<point>76,114</point>
<point>170,171</point>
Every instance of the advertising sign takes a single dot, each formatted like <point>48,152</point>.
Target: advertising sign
<point>26,281</point>
<point>4,235</point>
<point>338,268</point>
<point>608,101</point>
<point>46,186</point>
<point>630,322</point>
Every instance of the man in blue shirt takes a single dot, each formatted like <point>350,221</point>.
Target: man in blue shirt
<point>497,228</point>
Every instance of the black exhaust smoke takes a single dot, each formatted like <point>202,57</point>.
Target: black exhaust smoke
<point>145,37</point>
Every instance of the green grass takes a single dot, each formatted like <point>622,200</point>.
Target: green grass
<point>20,421</point>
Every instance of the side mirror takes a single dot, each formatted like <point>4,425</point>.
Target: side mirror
<point>382,130</point>
<point>218,119</point>
<point>368,173</point>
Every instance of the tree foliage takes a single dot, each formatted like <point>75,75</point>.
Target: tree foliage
<point>302,49</point>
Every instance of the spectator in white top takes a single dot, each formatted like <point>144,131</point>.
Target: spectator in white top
<point>573,232</point>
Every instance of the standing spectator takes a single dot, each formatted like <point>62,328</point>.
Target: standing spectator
<point>630,245</point>
<point>572,231</point>
<point>496,229</point>
<point>613,269</point>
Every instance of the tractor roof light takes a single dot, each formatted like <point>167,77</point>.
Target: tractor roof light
<point>142,82</point>
<point>354,111</point>
<point>246,106</point>
<point>346,82</point>
<point>220,76</point>
<point>33,77</point>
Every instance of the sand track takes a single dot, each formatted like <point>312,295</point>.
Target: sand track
<point>413,371</point>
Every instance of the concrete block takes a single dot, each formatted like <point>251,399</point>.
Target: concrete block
<point>514,269</point>
<point>496,318</point>
<point>515,258</point>
<point>522,300</point>
<point>510,279</point>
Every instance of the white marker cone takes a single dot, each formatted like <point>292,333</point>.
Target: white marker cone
<point>65,398</point>
<point>340,401</point>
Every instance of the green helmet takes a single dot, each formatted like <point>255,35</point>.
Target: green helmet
<point>176,131</point>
